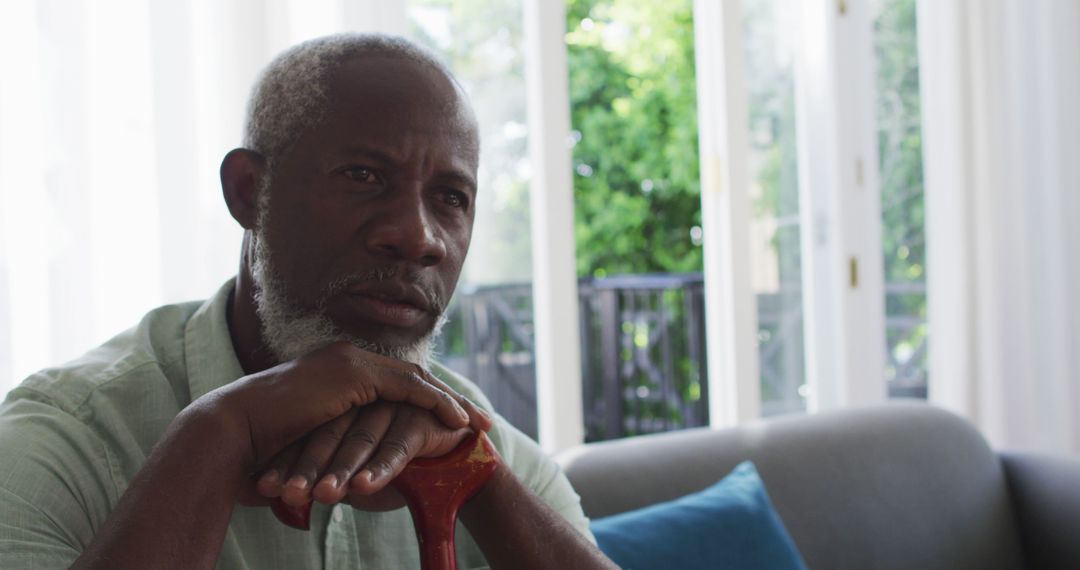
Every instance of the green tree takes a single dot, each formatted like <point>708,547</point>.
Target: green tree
<point>634,115</point>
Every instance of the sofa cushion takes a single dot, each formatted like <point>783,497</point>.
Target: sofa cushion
<point>729,525</point>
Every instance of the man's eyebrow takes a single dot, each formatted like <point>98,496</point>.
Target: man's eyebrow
<point>458,177</point>
<point>455,175</point>
<point>368,152</point>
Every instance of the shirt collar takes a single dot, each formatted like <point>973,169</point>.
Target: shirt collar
<point>208,349</point>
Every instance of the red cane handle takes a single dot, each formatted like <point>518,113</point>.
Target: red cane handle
<point>435,488</point>
<point>296,517</point>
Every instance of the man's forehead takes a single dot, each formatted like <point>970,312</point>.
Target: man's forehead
<point>381,93</point>
<point>396,79</point>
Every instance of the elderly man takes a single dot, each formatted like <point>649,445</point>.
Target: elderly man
<point>305,378</point>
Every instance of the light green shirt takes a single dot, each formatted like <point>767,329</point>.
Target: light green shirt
<point>73,437</point>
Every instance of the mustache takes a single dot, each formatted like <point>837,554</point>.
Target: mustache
<point>384,274</point>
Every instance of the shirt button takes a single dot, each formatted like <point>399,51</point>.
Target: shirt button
<point>338,514</point>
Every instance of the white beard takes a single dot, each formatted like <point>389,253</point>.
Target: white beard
<point>290,330</point>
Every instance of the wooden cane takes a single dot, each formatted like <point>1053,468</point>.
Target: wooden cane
<point>435,488</point>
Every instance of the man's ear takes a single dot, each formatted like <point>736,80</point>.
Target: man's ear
<point>241,171</point>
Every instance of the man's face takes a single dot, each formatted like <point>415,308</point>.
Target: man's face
<point>367,218</point>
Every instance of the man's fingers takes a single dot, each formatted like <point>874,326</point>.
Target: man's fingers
<point>400,445</point>
<point>272,480</point>
<point>284,403</point>
<point>357,446</point>
<point>453,409</point>
<point>479,420</point>
<point>318,450</point>
<point>412,388</point>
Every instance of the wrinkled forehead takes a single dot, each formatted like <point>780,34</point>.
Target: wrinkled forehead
<point>395,92</point>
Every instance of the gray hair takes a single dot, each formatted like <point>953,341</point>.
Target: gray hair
<point>291,94</point>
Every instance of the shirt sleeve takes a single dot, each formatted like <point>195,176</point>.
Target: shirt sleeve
<point>55,483</point>
<point>541,474</point>
<point>536,470</point>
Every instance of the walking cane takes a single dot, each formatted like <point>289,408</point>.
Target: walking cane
<point>434,488</point>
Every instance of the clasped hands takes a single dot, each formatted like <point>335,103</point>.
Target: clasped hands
<point>339,424</point>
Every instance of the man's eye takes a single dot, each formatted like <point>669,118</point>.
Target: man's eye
<point>361,174</point>
<point>456,199</point>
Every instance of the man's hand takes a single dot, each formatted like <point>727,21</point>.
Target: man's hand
<point>355,456</point>
<point>513,527</point>
<point>323,390</point>
<point>229,432</point>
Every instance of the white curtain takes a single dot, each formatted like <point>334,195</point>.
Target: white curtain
<point>1001,126</point>
<point>114,116</point>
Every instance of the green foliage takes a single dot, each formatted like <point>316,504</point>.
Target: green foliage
<point>900,141</point>
<point>903,215</point>
<point>634,113</point>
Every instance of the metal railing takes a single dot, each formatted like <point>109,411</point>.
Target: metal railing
<point>905,339</point>
<point>780,351</point>
<point>489,339</point>
<point>643,351</point>
<point>643,354</point>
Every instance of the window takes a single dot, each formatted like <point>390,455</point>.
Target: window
<point>770,28</point>
<point>903,239</point>
<point>638,221</point>
<point>821,211</point>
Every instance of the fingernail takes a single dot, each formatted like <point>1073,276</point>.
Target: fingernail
<point>332,480</point>
<point>297,482</point>
<point>271,477</point>
<point>366,474</point>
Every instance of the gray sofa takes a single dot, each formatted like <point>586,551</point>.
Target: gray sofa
<point>903,485</point>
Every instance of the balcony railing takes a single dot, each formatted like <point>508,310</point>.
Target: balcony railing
<point>489,339</point>
<point>643,354</point>
<point>643,351</point>
<point>905,339</point>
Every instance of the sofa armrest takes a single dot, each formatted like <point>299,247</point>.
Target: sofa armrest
<point>1045,493</point>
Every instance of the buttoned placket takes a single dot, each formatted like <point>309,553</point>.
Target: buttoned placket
<point>341,548</point>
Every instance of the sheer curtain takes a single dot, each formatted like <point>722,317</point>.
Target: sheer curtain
<point>114,117</point>
<point>1001,86</point>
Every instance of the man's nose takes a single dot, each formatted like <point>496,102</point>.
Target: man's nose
<point>405,230</point>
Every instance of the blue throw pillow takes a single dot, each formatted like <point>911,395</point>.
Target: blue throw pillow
<point>731,524</point>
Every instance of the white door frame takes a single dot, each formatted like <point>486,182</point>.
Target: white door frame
<point>840,205</point>
<point>730,304</point>
<point>560,417</point>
